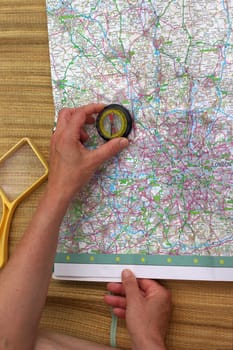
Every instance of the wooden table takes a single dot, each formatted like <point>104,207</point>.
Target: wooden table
<point>203,311</point>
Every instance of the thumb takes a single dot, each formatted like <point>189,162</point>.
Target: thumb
<point>130,285</point>
<point>109,149</point>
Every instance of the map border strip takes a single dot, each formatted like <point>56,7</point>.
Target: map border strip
<point>139,259</point>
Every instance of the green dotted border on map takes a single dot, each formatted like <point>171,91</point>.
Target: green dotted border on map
<point>137,259</point>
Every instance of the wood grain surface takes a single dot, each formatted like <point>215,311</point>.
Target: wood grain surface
<point>202,311</point>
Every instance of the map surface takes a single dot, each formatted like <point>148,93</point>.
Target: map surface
<point>171,64</point>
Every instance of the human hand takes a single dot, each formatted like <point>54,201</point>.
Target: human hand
<point>146,306</point>
<point>71,164</point>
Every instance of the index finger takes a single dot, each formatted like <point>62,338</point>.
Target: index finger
<point>68,115</point>
<point>116,288</point>
<point>91,108</point>
<point>83,115</point>
<point>73,119</point>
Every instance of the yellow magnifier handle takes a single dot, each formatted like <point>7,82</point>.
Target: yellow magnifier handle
<point>25,163</point>
<point>7,213</point>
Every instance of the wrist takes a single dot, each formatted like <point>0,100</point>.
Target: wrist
<point>58,195</point>
<point>56,201</point>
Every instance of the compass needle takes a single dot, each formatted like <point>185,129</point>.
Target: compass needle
<point>111,118</point>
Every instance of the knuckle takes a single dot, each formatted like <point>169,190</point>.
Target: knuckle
<point>59,139</point>
<point>165,295</point>
<point>63,112</point>
<point>122,303</point>
<point>130,284</point>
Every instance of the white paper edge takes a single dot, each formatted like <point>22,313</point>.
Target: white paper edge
<point>112,273</point>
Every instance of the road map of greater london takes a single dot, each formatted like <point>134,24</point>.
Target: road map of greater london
<point>171,64</point>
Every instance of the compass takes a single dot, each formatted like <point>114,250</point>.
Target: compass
<point>114,121</point>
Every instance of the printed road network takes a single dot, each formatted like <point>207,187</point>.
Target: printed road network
<point>171,64</point>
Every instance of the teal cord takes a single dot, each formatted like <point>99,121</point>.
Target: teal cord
<point>113,331</point>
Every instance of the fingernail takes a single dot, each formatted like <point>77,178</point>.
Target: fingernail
<point>124,142</point>
<point>126,274</point>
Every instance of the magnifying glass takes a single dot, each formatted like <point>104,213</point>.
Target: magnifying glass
<point>22,170</point>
